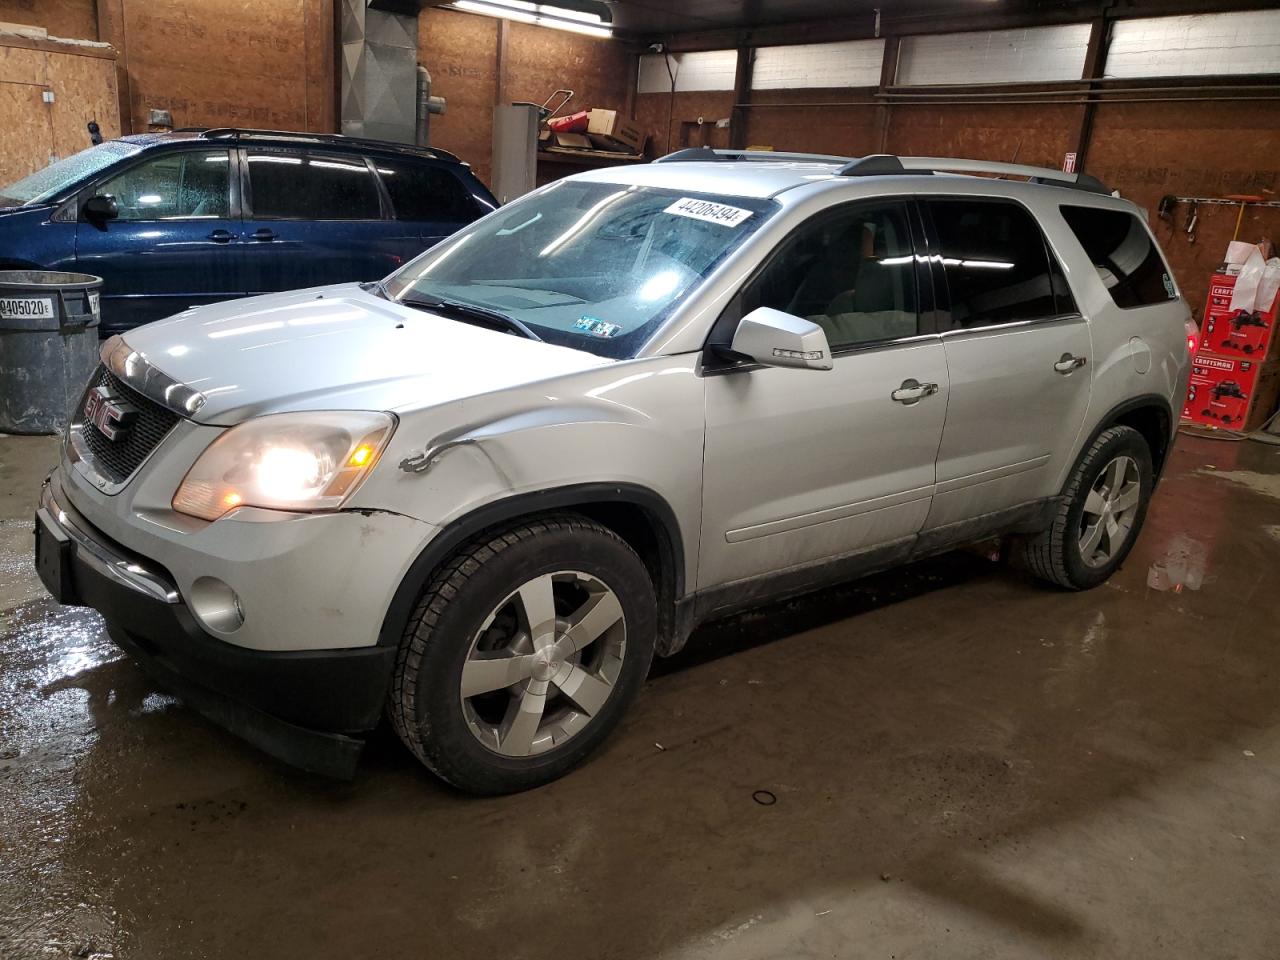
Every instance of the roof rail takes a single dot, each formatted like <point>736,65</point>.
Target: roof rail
<point>235,133</point>
<point>885,164</point>
<point>708,154</point>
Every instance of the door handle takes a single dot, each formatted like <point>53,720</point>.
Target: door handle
<point>913,391</point>
<point>1067,363</point>
<point>264,233</point>
<point>221,236</point>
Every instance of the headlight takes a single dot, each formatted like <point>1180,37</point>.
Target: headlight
<point>287,461</point>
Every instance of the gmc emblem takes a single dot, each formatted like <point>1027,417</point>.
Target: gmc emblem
<point>111,415</point>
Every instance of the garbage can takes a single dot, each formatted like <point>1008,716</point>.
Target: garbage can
<point>48,346</point>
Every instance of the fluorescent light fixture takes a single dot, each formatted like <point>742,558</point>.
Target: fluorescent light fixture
<point>541,14</point>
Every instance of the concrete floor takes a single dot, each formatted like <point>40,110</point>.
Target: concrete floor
<point>966,764</point>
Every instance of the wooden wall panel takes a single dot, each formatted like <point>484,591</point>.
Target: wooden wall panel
<point>842,129</point>
<point>1147,150</point>
<point>224,63</point>
<point>460,51</point>
<point>1026,133</point>
<point>21,65</point>
<point>28,141</point>
<point>77,19</point>
<point>85,89</point>
<point>653,110</point>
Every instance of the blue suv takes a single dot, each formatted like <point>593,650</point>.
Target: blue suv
<point>180,219</point>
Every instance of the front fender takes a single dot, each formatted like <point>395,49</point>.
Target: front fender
<point>636,425</point>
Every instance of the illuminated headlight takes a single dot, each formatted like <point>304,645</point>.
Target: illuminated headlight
<point>287,461</point>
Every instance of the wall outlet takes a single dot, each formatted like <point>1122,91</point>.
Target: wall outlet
<point>47,96</point>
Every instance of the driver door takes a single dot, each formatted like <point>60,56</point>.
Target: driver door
<point>802,467</point>
<point>175,243</point>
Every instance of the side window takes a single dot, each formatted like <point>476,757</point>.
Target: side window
<point>853,274</point>
<point>1122,251</point>
<point>995,261</point>
<point>419,191</point>
<point>290,186</point>
<point>174,185</point>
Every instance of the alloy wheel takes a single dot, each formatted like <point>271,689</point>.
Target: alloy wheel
<point>543,664</point>
<point>1110,510</point>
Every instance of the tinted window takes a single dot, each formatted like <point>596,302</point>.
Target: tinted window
<point>853,274</point>
<point>1121,250</point>
<point>995,261</point>
<point>422,192</point>
<point>290,186</point>
<point>192,183</point>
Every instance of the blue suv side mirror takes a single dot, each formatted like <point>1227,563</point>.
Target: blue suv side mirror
<point>100,208</point>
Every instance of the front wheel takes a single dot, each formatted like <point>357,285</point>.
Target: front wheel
<point>523,653</point>
<point>1103,508</point>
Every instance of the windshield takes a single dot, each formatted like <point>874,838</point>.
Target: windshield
<point>594,266</point>
<point>65,173</point>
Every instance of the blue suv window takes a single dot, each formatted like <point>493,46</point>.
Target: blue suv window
<point>291,186</point>
<point>419,191</point>
<point>177,185</point>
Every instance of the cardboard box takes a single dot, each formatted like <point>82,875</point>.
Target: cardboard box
<point>1237,333</point>
<point>572,141</point>
<point>1231,392</point>
<point>624,134</point>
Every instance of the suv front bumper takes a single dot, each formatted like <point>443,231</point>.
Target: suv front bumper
<point>300,706</point>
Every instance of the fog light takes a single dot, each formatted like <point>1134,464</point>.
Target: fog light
<point>216,605</point>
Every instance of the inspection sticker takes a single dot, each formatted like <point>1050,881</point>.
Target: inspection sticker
<point>720,213</point>
<point>24,307</point>
<point>597,327</point>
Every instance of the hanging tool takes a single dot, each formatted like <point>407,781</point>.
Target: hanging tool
<point>1242,199</point>
<point>1193,214</point>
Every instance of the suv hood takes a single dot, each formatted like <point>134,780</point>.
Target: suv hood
<point>338,348</point>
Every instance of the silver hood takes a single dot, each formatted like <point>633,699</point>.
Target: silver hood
<point>330,348</point>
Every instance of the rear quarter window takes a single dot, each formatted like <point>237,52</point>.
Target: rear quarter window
<point>1120,248</point>
<point>422,192</point>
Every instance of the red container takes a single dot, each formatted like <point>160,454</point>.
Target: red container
<point>1236,333</point>
<point>573,123</point>
<point>1230,392</point>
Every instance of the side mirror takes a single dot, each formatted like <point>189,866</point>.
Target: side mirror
<point>779,339</point>
<point>101,207</point>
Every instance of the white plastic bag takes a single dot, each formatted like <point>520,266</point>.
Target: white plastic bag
<point>1246,290</point>
<point>1269,285</point>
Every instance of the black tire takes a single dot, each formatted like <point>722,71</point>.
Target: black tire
<point>425,705</point>
<point>1054,554</point>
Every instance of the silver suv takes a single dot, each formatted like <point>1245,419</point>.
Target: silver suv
<point>481,494</point>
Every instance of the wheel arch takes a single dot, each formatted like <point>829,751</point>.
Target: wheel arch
<point>1151,416</point>
<point>641,517</point>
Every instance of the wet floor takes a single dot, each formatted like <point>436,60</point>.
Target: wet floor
<point>964,764</point>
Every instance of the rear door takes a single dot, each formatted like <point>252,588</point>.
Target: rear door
<point>312,218</point>
<point>175,243</point>
<point>806,466</point>
<point>428,203</point>
<point>1018,355</point>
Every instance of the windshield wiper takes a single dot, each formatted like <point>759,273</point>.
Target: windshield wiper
<point>471,313</point>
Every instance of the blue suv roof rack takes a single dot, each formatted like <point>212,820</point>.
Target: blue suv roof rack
<point>335,139</point>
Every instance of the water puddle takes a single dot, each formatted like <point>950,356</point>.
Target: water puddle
<point>1182,565</point>
<point>1267,484</point>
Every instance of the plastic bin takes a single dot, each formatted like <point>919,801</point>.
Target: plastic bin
<point>48,346</point>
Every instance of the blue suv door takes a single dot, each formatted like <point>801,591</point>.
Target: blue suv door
<point>175,242</point>
<point>428,202</point>
<point>312,218</point>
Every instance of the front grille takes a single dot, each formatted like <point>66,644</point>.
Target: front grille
<point>118,459</point>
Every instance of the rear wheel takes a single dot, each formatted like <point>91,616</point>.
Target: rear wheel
<point>523,653</point>
<point>1103,508</point>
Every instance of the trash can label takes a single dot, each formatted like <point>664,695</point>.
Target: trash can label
<point>94,308</point>
<point>25,307</point>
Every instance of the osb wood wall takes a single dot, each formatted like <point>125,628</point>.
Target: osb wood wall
<point>462,50</point>
<point>249,63</point>
<point>83,85</point>
<point>76,19</point>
